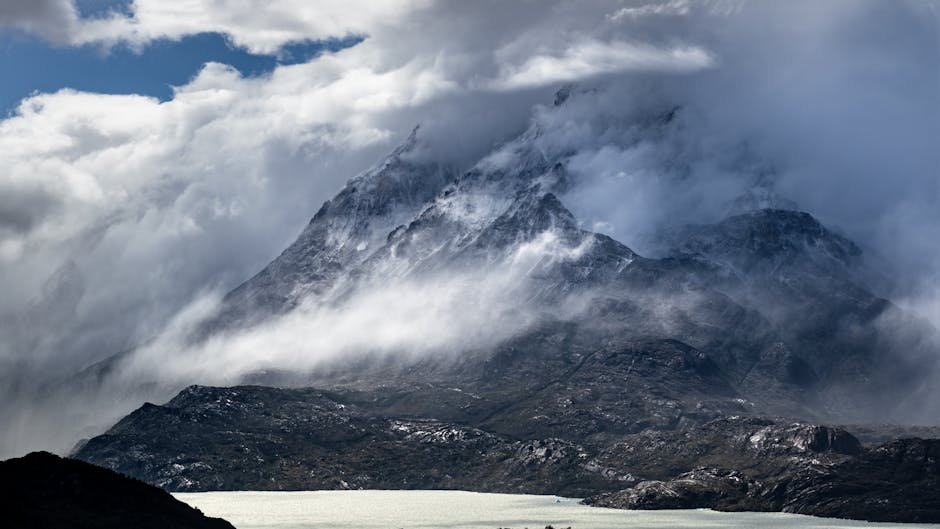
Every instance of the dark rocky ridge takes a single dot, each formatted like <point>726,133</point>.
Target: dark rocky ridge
<point>259,438</point>
<point>41,490</point>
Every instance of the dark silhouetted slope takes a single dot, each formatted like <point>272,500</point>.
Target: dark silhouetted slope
<point>42,491</point>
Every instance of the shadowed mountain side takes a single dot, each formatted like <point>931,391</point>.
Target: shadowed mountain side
<point>809,282</point>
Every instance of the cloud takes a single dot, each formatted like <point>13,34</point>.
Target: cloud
<point>132,189</point>
<point>55,20</point>
<point>589,58</point>
<point>151,201</point>
<point>261,28</point>
<point>258,28</point>
<point>440,314</point>
<point>674,7</point>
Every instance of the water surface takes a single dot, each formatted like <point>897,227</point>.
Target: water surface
<point>382,509</point>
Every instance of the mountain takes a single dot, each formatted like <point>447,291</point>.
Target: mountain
<point>586,356</point>
<point>41,490</point>
<point>775,299</point>
<point>343,233</point>
<point>809,282</point>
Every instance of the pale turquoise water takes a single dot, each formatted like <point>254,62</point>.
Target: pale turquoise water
<point>381,509</point>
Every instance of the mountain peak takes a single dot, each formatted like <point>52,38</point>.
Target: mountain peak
<point>767,238</point>
<point>343,233</point>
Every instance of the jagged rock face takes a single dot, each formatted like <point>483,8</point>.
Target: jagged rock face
<point>701,488</point>
<point>771,243</point>
<point>755,446</point>
<point>897,481</point>
<point>805,438</point>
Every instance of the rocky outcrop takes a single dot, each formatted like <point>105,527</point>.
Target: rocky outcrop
<point>42,490</point>
<point>702,488</point>
<point>894,482</point>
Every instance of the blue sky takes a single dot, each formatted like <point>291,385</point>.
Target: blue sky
<point>96,8</point>
<point>31,64</point>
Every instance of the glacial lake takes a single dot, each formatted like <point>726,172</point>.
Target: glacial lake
<point>382,509</point>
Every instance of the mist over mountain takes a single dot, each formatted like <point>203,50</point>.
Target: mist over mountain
<point>752,181</point>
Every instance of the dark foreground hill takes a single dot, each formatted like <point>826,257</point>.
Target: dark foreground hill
<point>43,491</point>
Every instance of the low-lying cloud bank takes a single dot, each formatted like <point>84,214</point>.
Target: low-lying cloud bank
<point>408,318</point>
<point>404,319</point>
<point>114,210</point>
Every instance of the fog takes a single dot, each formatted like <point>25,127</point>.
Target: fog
<point>124,219</point>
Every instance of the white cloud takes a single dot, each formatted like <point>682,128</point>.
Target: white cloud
<point>154,199</point>
<point>672,7</point>
<point>589,57</point>
<point>442,315</point>
<point>259,27</point>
